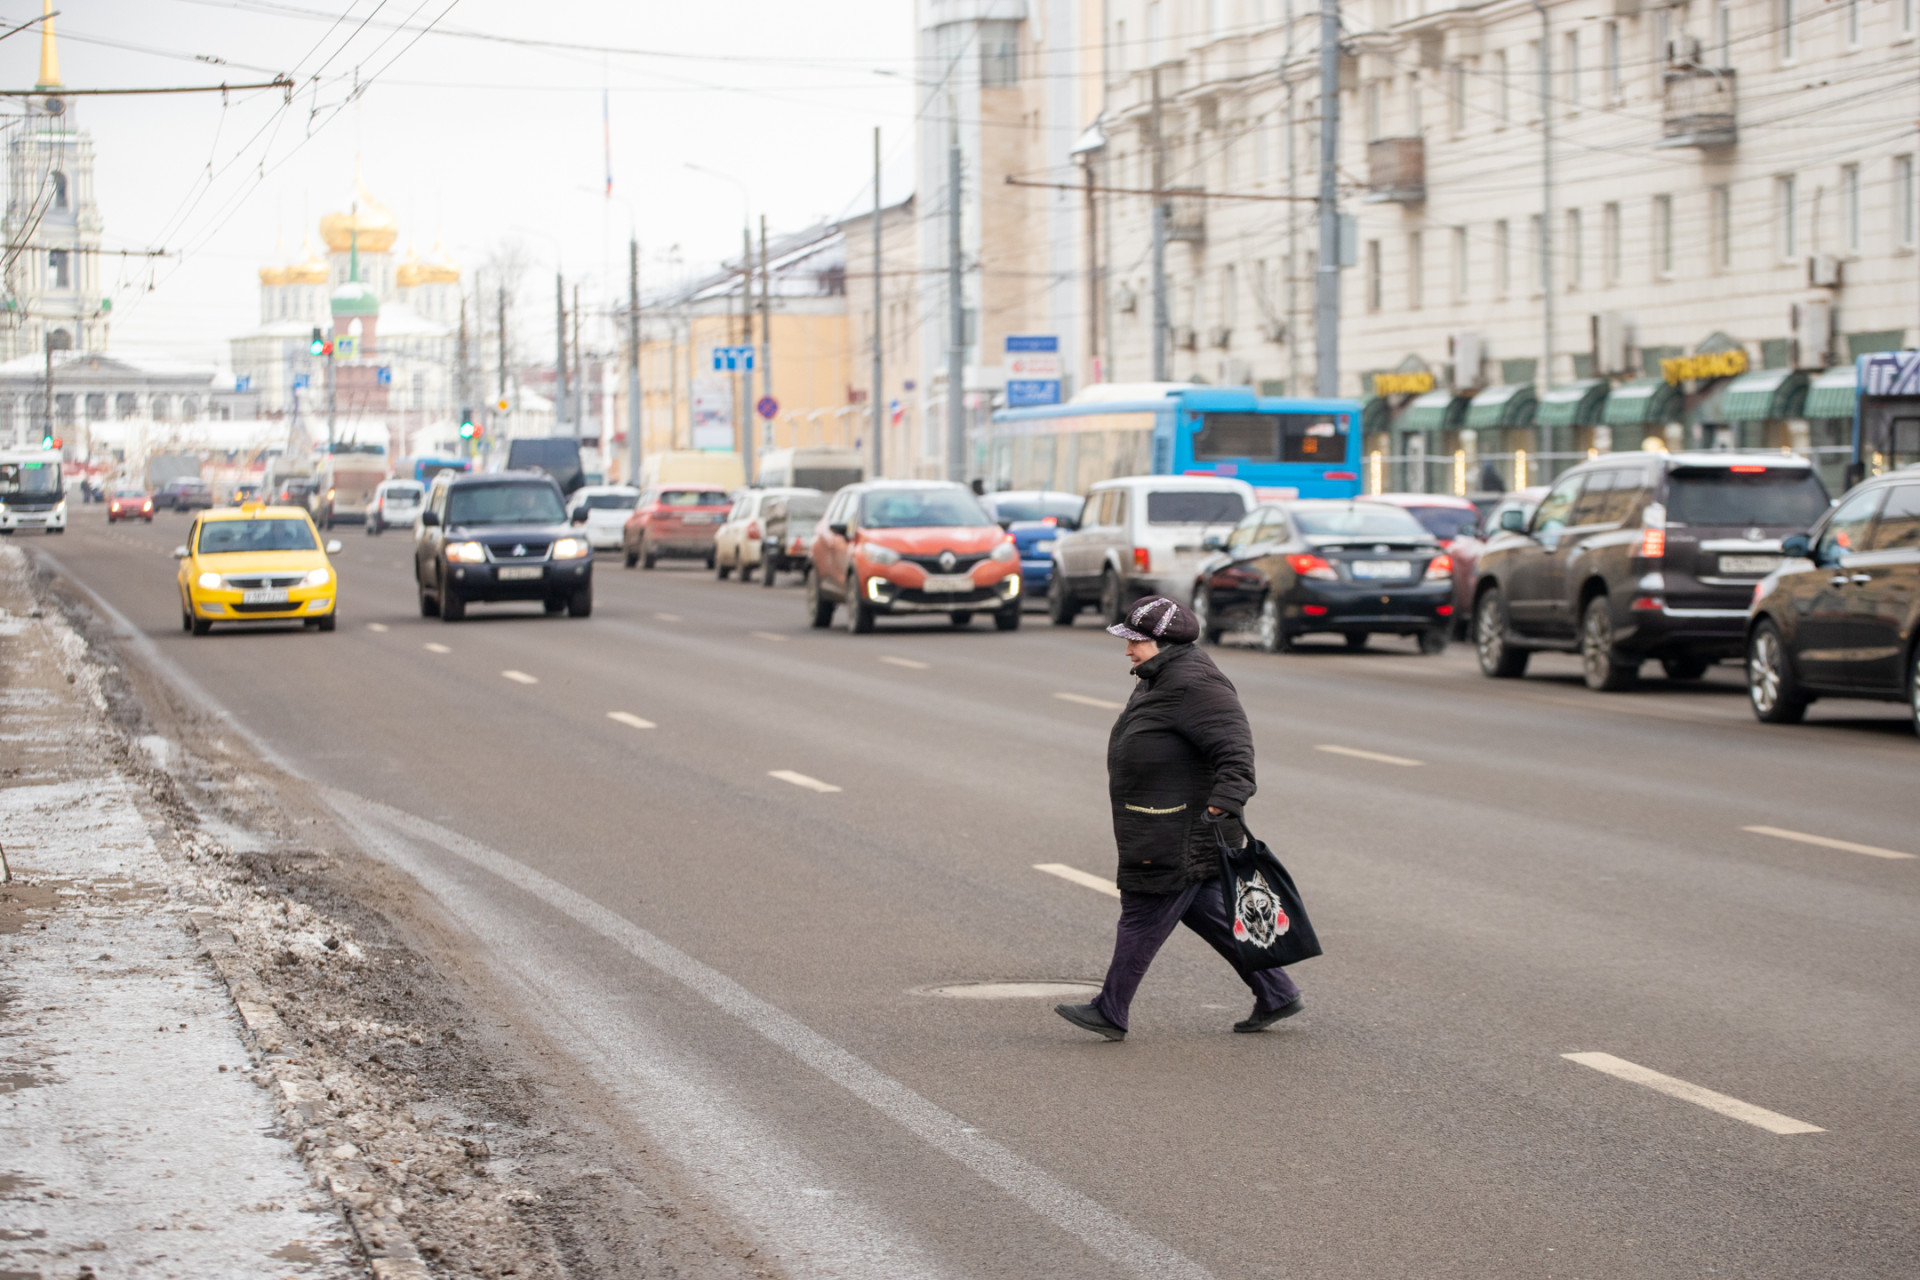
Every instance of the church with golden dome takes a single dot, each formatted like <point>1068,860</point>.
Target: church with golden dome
<point>395,321</point>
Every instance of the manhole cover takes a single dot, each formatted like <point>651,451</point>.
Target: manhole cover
<point>1041,989</point>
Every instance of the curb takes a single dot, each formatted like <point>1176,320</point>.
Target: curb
<point>390,1252</point>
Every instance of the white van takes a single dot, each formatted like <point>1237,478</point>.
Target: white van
<point>828,470</point>
<point>1140,536</point>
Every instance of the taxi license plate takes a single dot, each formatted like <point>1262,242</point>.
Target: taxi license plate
<point>1749,564</point>
<point>949,582</point>
<point>520,572</point>
<point>1382,568</point>
<point>263,597</point>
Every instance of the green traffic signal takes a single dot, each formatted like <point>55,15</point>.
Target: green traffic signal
<point>317,345</point>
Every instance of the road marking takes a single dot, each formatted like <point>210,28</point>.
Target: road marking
<point>1826,842</point>
<point>669,617</point>
<point>376,626</point>
<point>767,635</point>
<point>521,677</point>
<point>1083,700</point>
<point>801,780</point>
<point>431,647</point>
<point>908,663</point>
<point>1077,876</point>
<point>631,720</point>
<point>1771,1121</point>
<point>1374,756</point>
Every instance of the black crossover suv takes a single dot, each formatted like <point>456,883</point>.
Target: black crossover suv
<point>1637,557</point>
<point>500,535</point>
<point>1841,616</point>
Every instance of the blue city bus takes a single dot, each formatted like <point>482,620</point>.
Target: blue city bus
<point>1283,447</point>
<point>425,469</point>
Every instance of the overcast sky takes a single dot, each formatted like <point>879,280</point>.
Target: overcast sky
<point>472,139</point>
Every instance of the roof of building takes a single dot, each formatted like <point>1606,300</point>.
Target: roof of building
<point>369,224</point>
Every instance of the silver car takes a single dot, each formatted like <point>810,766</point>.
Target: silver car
<point>395,504</point>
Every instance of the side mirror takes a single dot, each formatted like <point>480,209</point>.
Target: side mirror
<point>579,515</point>
<point>1069,523</point>
<point>837,530</point>
<point>430,518</point>
<point>1004,524</point>
<point>333,547</point>
<point>1212,542</point>
<point>1513,521</point>
<point>1797,545</point>
<point>180,552</point>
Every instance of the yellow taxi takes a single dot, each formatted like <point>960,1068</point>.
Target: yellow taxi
<point>255,563</point>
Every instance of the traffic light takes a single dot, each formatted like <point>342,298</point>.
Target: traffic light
<point>467,430</point>
<point>51,442</point>
<point>319,344</point>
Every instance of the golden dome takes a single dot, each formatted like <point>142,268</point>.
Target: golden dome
<point>375,223</point>
<point>441,269</point>
<point>312,271</point>
<point>274,275</point>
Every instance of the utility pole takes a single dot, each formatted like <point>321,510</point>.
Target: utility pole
<point>579,374</point>
<point>1545,378</point>
<point>633,366</point>
<point>766,328</point>
<point>560,352</point>
<point>746,334</point>
<point>956,314</point>
<point>333,359</point>
<point>1093,271</point>
<point>463,390</point>
<point>1326,293</point>
<point>1162,370</point>
<point>502,335</point>
<point>878,406</point>
<point>1293,218</point>
<point>46,430</point>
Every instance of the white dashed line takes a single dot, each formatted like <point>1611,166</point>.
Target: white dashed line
<point>1620,1068</point>
<point>801,780</point>
<point>767,635</point>
<point>431,647</point>
<point>908,663</point>
<point>376,626</point>
<point>1084,879</point>
<point>669,617</point>
<point>1827,842</point>
<point>521,677</point>
<point>1082,699</point>
<point>1374,756</point>
<point>631,720</point>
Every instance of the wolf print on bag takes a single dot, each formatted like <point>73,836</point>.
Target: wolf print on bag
<point>1257,914</point>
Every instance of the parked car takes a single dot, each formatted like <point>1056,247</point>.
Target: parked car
<point>1036,518</point>
<point>295,491</point>
<point>1465,550</point>
<point>1141,536</point>
<point>1351,567</point>
<point>911,546</point>
<point>602,510</point>
<point>786,532</point>
<point>676,522</point>
<point>1634,557</point>
<point>738,543</point>
<point>396,503</point>
<point>1840,617</point>
<point>129,504</point>
<point>500,535</point>
<point>1444,516</point>
<point>185,494</point>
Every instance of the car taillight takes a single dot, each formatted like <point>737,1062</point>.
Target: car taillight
<point>1439,567</point>
<point>1645,604</point>
<point>1314,610</point>
<point>1142,559</point>
<point>1747,471</point>
<point>1653,544</point>
<point>753,531</point>
<point>1444,610</point>
<point>1312,566</point>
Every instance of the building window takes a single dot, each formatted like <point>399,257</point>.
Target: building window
<point>1536,228</point>
<point>1721,211</point>
<point>190,408</point>
<point>1457,99</point>
<point>126,405</point>
<point>58,180</point>
<point>1662,39</point>
<point>1723,35</point>
<point>1416,270</point>
<point>161,410</point>
<point>1663,236</point>
<point>1610,243</point>
<point>1120,47</point>
<point>1907,9</point>
<point>1786,205</point>
<point>59,270</point>
<point>1461,274</point>
<point>1537,61</point>
<point>1414,122</point>
<point>1616,90</point>
<point>1789,38</point>
<point>1573,70</point>
<point>1903,202</point>
<point>1156,32</point>
<point>1373,111</point>
<point>1575,249</point>
<point>1502,258</point>
<point>999,55</point>
<point>1853,24</point>
<point>1373,275</point>
<point>1229,297</point>
<point>96,407</point>
<point>1850,207</point>
<point>1502,89</point>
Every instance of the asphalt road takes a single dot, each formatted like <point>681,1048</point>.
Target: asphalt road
<point>1502,873</point>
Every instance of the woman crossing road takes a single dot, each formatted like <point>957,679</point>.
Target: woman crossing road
<point>1179,771</point>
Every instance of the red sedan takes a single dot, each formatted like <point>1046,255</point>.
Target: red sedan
<point>129,504</point>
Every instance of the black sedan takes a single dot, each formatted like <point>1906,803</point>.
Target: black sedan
<point>1841,616</point>
<point>500,536</point>
<point>1349,568</point>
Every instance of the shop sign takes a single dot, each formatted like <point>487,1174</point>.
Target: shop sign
<point>1402,384</point>
<point>1713,364</point>
<point>1891,373</point>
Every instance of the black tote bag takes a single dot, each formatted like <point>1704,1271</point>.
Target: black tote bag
<point>1270,925</point>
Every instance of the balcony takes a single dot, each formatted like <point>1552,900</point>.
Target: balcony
<point>1699,108</point>
<point>1396,171</point>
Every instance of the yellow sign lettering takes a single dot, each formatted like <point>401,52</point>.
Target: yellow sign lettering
<point>1716,364</point>
<point>1402,384</point>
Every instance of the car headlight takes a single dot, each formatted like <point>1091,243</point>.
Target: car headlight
<point>1005,553</point>
<point>60,507</point>
<point>211,582</point>
<point>878,555</point>
<point>466,553</point>
<point>570,548</point>
<point>318,578</point>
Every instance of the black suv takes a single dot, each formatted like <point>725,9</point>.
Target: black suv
<point>1841,617</point>
<point>502,535</point>
<point>1638,556</point>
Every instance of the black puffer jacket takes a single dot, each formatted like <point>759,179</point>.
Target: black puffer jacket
<point>1181,744</point>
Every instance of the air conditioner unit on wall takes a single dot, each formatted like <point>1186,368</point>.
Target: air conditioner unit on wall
<point>1823,271</point>
<point>1220,336</point>
<point>1812,334</point>
<point>1184,337</point>
<point>1468,352</point>
<point>1125,300</point>
<point>1274,331</point>
<point>1612,343</point>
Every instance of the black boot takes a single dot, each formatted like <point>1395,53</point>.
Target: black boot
<point>1089,1018</point>
<point>1261,1021</point>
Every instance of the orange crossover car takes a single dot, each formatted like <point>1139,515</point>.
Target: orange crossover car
<point>905,546</point>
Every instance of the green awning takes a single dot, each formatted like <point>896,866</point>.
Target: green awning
<point>1765,395</point>
<point>1577,404</point>
<point>1375,414</point>
<point>1830,394</point>
<point>1511,404</point>
<point>1642,402</point>
<point>1435,411</point>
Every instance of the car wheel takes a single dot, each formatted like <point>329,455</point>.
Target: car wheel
<point>326,623</point>
<point>186,620</point>
<point>1684,668</point>
<point>452,607</point>
<point>746,572</point>
<point>767,572</point>
<point>1271,632</point>
<point>1007,619</point>
<point>1607,670</point>
<point>647,558</point>
<point>713,562</point>
<point>720,571</point>
<point>859,613</point>
<point>629,555</point>
<point>1434,640</point>
<point>429,607</point>
<point>580,603</point>
<point>1772,687</point>
<point>1061,606</point>
<point>1499,658</point>
<point>819,608</point>
<point>1203,614</point>
<point>1113,611</point>
<point>1913,687</point>
<point>1356,640</point>
<point>201,626</point>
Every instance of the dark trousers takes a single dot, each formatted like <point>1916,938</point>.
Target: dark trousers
<point>1146,922</point>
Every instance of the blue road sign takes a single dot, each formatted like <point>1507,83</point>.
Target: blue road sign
<point>386,375</point>
<point>243,384</point>
<point>1033,369</point>
<point>301,382</point>
<point>732,359</point>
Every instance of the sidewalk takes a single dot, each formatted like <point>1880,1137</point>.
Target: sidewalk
<point>135,1137</point>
